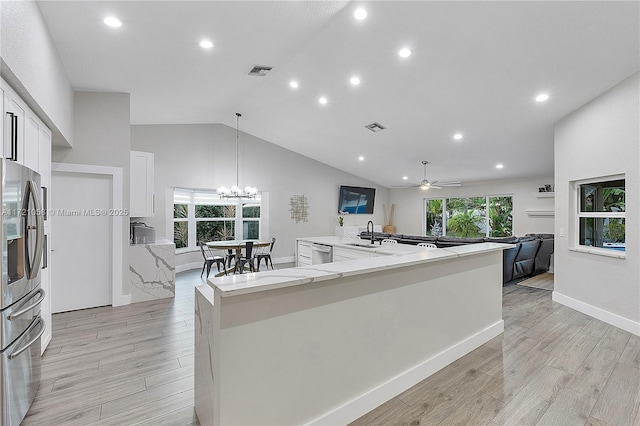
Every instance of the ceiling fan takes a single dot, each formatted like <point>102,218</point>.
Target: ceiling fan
<point>426,184</point>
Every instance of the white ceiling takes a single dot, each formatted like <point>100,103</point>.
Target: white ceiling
<point>475,68</point>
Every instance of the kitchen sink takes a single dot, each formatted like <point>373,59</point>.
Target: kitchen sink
<point>365,245</point>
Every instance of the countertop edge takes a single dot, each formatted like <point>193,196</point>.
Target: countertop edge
<point>271,280</point>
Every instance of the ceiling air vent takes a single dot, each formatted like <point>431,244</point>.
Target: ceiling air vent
<point>260,70</point>
<point>375,127</point>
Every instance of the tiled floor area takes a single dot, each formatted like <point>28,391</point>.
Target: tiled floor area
<point>553,366</point>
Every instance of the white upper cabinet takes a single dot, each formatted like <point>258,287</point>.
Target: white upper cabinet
<point>142,197</point>
<point>21,129</point>
<point>14,122</point>
<point>44,168</point>
<point>31,144</point>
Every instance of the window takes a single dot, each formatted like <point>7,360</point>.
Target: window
<point>201,216</point>
<point>250,221</point>
<point>601,214</point>
<point>471,217</point>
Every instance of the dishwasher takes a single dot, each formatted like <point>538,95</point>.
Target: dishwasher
<point>321,253</point>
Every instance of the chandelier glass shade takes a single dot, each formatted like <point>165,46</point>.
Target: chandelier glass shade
<point>235,191</point>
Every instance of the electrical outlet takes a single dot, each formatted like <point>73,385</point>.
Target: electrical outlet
<point>562,232</point>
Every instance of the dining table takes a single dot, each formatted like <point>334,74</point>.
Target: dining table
<point>237,245</point>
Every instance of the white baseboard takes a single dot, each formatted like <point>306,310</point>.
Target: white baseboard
<point>188,266</point>
<point>375,397</point>
<point>598,313</point>
<point>198,265</point>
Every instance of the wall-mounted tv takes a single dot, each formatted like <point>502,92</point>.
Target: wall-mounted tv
<point>356,199</point>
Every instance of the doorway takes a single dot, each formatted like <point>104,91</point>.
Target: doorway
<point>86,252</point>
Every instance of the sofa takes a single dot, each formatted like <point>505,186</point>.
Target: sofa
<point>530,255</point>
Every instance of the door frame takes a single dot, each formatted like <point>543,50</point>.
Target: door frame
<point>117,296</point>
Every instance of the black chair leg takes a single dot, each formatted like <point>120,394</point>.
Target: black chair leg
<point>270,261</point>
<point>203,266</point>
<point>208,269</point>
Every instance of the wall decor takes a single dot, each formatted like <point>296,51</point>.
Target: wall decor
<point>299,208</point>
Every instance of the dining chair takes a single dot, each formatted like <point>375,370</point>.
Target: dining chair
<point>266,256</point>
<point>427,245</point>
<point>210,259</point>
<point>245,258</point>
<point>229,257</point>
<point>388,241</point>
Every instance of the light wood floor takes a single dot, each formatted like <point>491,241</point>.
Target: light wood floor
<point>553,366</point>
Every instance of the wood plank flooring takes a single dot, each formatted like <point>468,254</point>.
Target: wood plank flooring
<point>133,365</point>
<point>552,366</point>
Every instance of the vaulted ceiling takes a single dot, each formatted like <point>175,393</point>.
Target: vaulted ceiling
<point>475,68</point>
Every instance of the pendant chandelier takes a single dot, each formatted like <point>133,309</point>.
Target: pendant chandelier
<point>236,191</point>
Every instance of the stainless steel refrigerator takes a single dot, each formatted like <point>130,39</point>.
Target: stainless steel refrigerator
<point>22,237</point>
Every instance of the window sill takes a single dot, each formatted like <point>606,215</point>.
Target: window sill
<point>600,252</point>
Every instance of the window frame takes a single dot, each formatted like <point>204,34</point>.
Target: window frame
<point>577,215</point>
<point>199,197</point>
<point>425,231</point>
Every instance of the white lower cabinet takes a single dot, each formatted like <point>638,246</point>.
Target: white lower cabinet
<point>303,253</point>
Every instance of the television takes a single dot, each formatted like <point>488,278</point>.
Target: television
<point>356,200</point>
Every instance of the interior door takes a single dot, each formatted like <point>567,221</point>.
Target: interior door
<point>82,241</point>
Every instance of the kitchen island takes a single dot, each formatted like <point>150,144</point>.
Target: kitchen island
<point>325,344</point>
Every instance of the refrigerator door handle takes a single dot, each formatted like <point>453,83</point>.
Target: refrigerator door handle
<point>40,322</point>
<point>22,310</point>
<point>34,264</point>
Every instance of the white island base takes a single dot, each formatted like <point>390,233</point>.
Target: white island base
<point>326,344</point>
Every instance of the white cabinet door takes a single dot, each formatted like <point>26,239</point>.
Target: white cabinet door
<point>303,256</point>
<point>31,145</point>
<point>44,168</point>
<point>142,197</point>
<point>14,143</point>
<point>21,130</point>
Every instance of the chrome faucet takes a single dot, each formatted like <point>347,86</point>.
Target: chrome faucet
<point>370,222</point>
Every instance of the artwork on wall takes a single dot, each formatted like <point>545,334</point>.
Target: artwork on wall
<point>299,208</point>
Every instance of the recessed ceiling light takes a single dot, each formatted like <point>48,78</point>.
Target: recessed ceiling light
<point>405,177</point>
<point>499,166</point>
<point>323,100</point>
<point>206,44</point>
<point>112,21</point>
<point>354,81</point>
<point>360,14</point>
<point>294,84</point>
<point>542,97</point>
<point>404,52</point>
<point>361,158</point>
<point>457,136</point>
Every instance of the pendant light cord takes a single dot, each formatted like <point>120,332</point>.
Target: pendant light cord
<point>238,115</point>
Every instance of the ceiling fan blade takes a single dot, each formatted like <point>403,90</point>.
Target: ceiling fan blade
<point>404,186</point>
<point>451,183</point>
<point>436,186</point>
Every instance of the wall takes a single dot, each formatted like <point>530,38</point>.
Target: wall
<point>30,63</point>
<point>599,139</point>
<point>203,156</point>
<point>102,137</point>
<point>409,214</point>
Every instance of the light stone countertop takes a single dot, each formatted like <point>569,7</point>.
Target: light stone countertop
<point>159,242</point>
<point>398,256</point>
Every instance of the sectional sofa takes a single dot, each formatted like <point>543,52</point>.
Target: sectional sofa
<point>530,255</point>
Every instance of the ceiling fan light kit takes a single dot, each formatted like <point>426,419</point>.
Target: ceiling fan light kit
<point>425,184</point>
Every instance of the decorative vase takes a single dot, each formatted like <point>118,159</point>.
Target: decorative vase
<point>389,229</point>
